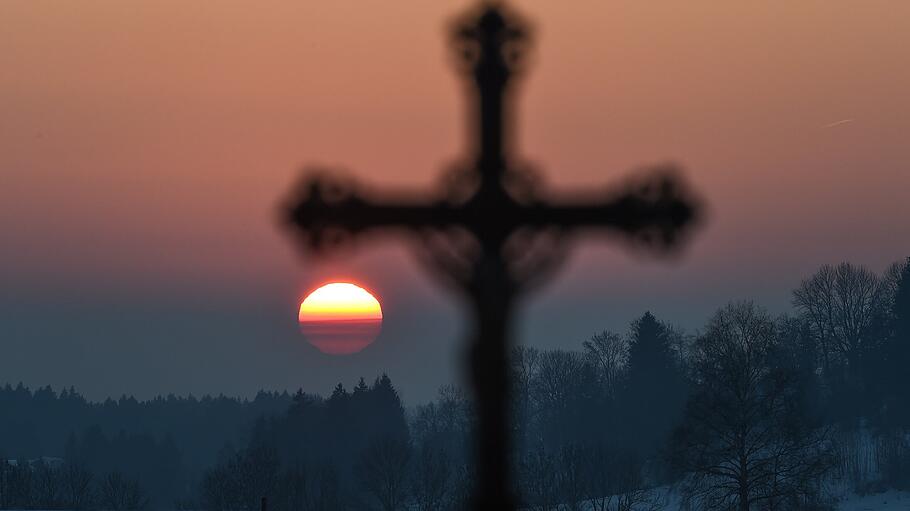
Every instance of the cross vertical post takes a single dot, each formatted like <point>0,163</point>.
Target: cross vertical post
<point>517,238</point>
<point>492,294</point>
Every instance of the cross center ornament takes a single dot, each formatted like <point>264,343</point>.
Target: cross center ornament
<point>490,232</point>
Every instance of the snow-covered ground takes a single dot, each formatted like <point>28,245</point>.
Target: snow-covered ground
<point>892,500</point>
<point>889,501</point>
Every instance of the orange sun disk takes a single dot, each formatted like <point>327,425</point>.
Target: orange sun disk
<point>340,318</point>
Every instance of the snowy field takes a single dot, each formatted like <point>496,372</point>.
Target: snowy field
<point>888,501</point>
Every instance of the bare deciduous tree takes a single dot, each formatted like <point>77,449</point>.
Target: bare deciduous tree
<point>432,476</point>
<point>538,480</point>
<point>120,493</point>
<point>573,477</point>
<point>443,422</point>
<point>306,489</point>
<point>242,480</point>
<point>609,353</point>
<point>383,471</point>
<point>556,376</point>
<point>17,485</point>
<point>525,362</point>
<point>47,485</point>
<point>745,440</point>
<point>77,486</point>
<point>618,482</point>
<point>842,304</point>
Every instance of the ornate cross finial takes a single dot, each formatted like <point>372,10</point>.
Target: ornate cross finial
<point>492,45</point>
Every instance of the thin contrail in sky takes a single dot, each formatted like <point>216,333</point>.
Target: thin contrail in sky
<point>838,123</point>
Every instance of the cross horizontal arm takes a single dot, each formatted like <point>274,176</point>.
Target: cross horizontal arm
<point>654,212</point>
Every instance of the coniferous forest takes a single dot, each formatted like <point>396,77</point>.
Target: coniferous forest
<point>751,411</point>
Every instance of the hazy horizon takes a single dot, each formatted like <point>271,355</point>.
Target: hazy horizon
<point>145,149</point>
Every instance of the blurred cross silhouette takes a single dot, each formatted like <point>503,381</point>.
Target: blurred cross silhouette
<point>490,232</point>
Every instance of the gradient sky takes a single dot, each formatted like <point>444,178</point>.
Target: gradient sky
<point>145,147</point>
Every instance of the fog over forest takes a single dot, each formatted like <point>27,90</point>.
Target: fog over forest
<point>751,411</point>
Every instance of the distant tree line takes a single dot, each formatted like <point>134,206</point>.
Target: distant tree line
<point>49,484</point>
<point>353,450</point>
<point>165,443</point>
<point>751,412</point>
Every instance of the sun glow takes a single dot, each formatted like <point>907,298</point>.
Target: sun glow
<point>340,318</point>
<point>340,300</point>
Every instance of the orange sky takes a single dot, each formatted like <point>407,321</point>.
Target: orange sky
<point>163,132</point>
<point>145,145</point>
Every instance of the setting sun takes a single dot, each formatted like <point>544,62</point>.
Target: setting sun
<point>340,318</point>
